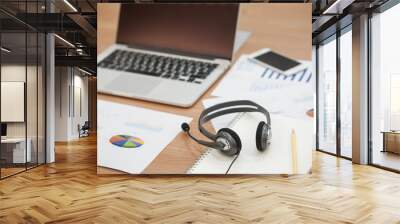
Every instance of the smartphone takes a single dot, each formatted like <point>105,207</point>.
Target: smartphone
<point>277,62</point>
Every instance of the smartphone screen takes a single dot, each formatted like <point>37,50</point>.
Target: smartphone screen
<point>277,61</point>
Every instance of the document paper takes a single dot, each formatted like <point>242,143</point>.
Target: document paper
<point>251,79</point>
<point>156,130</point>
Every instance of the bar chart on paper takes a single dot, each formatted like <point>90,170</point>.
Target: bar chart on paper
<point>292,95</point>
<point>302,76</point>
<point>249,78</point>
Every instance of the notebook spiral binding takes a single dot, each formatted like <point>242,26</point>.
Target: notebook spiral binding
<point>208,150</point>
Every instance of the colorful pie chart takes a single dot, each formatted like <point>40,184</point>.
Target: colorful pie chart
<point>126,141</point>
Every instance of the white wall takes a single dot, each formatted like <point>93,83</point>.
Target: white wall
<point>33,126</point>
<point>62,81</point>
<point>12,73</point>
<point>70,83</point>
<point>79,117</point>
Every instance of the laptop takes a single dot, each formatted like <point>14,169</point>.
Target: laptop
<point>168,53</point>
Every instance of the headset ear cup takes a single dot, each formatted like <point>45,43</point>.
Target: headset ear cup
<point>233,139</point>
<point>261,136</point>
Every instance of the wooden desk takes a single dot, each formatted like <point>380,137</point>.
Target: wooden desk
<point>17,152</point>
<point>285,28</point>
<point>391,141</point>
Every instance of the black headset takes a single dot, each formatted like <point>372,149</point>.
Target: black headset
<point>226,140</point>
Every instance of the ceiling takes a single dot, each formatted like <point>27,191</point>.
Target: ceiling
<point>332,15</point>
<point>19,54</point>
<point>72,20</point>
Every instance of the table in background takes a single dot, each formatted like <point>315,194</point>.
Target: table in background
<point>16,154</point>
<point>391,141</point>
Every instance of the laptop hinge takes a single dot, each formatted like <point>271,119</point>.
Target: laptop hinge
<point>176,52</point>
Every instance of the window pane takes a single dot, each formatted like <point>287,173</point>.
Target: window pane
<point>327,97</point>
<point>14,152</point>
<point>386,89</point>
<point>23,88</point>
<point>41,98</point>
<point>346,94</point>
<point>31,98</point>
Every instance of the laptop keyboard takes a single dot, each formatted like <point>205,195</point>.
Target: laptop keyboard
<point>159,66</point>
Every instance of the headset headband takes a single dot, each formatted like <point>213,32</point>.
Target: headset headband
<point>238,106</point>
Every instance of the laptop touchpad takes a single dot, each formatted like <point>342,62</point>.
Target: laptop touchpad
<point>132,84</point>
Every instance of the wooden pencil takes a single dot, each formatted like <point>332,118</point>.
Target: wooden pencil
<point>294,151</point>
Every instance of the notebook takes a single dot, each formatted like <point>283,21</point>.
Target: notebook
<point>277,159</point>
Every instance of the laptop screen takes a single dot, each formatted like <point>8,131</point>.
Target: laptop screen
<point>194,29</point>
<point>3,129</point>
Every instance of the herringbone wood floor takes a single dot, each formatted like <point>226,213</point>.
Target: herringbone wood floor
<point>69,191</point>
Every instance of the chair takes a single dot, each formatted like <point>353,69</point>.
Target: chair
<point>84,130</point>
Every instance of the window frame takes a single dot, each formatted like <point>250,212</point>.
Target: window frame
<point>334,37</point>
<point>378,10</point>
<point>31,30</point>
